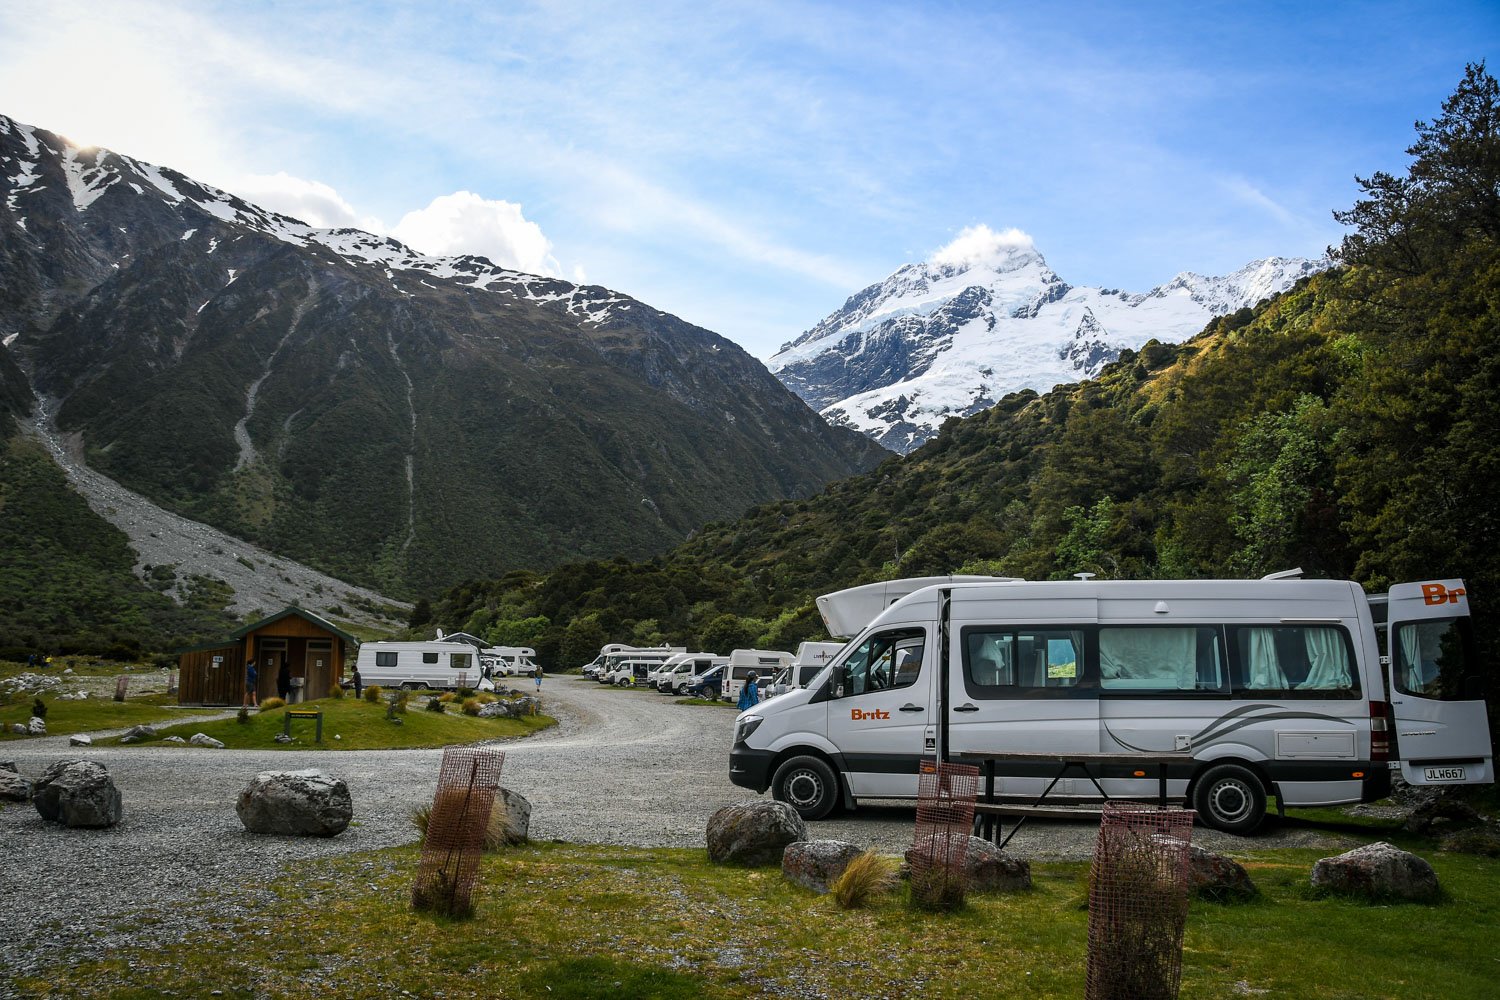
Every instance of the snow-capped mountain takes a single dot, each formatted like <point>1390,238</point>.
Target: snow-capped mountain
<point>986,317</point>
<point>392,418</point>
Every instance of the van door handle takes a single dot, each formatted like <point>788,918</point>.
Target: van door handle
<point>966,707</point>
<point>909,707</point>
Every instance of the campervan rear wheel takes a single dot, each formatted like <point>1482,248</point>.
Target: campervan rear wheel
<point>808,785</point>
<point>410,686</point>
<point>1230,798</point>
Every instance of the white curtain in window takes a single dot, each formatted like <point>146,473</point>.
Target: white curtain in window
<point>992,661</point>
<point>1327,661</point>
<point>1166,656</point>
<point>1265,665</point>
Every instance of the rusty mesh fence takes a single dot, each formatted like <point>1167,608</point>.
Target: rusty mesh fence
<point>455,831</point>
<point>1138,902</point>
<point>945,815</point>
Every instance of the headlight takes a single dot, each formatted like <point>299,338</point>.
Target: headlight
<point>746,726</point>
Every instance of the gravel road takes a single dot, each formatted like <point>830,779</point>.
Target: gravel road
<point>622,767</point>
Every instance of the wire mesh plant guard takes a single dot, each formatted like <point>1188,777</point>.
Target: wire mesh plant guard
<point>945,814</point>
<point>1138,902</point>
<point>461,808</point>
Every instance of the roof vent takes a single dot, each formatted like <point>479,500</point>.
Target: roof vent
<point>1161,608</point>
<point>1084,576</point>
<point>1286,574</point>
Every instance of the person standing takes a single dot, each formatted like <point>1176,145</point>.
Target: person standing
<point>284,679</point>
<point>537,673</point>
<point>252,680</point>
<point>749,694</point>
<point>359,683</point>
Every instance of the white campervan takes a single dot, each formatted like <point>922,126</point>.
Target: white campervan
<point>686,669</point>
<point>508,661</point>
<point>1266,687</point>
<point>415,665</point>
<point>629,668</point>
<point>763,663</point>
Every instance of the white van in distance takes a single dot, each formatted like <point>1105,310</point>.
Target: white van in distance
<point>685,669</point>
<point>1267,687</point>
<point>413,665</point>
<point>764,663</point>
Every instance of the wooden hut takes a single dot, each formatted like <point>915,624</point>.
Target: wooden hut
<point>309,649</point>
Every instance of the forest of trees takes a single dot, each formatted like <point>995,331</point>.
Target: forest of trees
<point>1348,427</point>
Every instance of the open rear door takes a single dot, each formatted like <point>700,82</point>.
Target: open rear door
<point>1442,732</point>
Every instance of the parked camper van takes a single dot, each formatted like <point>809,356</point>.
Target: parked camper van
<point>610,670</point>
<point>811,658</point>
<point>415,665</point>
<point>764,663</point>
<point>508,661</point>
<point>686,669</point>
<point>1267,687</point>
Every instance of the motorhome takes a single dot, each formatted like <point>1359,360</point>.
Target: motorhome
<point>763,663</point>
<point>600,662</point>
<point>413,665</point>
<point>508,661</point>
<point>687,668</point>
<point>1272,687</point>
<point>628,668</point>
<point>811,658</point>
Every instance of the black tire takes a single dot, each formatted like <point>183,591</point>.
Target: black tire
<point>808,785</point>
<point>1231,798</point>
<point>711,694</point>
<point>411,686</point>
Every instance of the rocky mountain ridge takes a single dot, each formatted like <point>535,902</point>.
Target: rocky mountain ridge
<point>400,421</point>
<point>951,336</point>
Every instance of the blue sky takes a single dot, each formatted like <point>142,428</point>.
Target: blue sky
<point>748,166</point>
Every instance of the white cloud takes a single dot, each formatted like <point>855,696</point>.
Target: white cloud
<point>463,222</point>
<point>1248,193</point>
<point>314,202</point>
<point>977,244</point>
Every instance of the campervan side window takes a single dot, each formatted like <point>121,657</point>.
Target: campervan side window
<point>1154,658</point>
<point>1009,662</point>
<point>888,660</point>
<point>429,657</point>
<point>1434,659</point>
<point>1310,660</point>
<point>385,659</point>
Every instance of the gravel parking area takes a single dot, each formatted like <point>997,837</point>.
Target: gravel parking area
<point>622,767</point>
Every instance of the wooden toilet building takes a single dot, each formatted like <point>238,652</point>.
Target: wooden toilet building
<point>294,649</point>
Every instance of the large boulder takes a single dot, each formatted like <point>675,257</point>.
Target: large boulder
<point>205,740</point>
<point>517,811</point>
<point>989,869</point>
<point>299,803</point>
<point>80,740</point>
<point>510,708</point>
<point>78,793</point>
<point>1213,876</point>
<point>136,734</point>
<point>817,864</point>
<point>1378,871</point>
<point>753,833</point>
<point>13,787</point>
<point>37,726</point>
<point>1442,813</point>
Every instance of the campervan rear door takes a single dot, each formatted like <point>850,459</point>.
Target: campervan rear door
<point>1442,731</point>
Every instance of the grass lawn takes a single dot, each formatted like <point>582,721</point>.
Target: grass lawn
<point>566,921</point>
<point>360,724</point>
<point>90,714</point>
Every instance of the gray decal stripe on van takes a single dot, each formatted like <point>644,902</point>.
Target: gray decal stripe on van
<point>1223,726</point>
<point>882,763</point>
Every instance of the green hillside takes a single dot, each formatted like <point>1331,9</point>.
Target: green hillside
<point>1348,427</point>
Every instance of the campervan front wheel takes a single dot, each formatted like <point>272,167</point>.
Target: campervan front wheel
<point>808,785</point>
<point>1230,798</point>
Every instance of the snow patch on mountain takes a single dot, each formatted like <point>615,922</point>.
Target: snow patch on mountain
<point>986,317</point>
<point>90,173</point>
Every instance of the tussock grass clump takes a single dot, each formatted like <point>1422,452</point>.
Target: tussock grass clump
<point>372,693</point>
<point>497,832</point>
<point>243,716</point>
<point>337,691</point>
<point>471,706</point>
<point>447,696</point>
<point>435,705</point>
<point>866,877</point>
<point>485,698</point>
<point>271,703</point>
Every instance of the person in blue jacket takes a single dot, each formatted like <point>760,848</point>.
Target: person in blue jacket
<point>749,694</point>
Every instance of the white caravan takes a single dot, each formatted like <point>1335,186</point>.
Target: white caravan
<point>1267,687</point>
<point>687,668</point>
<point>413,665</point>
<point>764,663</point>
<point>601,662</point>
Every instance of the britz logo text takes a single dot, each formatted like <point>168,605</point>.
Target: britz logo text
<point>860,715</point>
<point>1436,593</point>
